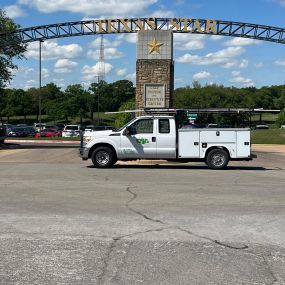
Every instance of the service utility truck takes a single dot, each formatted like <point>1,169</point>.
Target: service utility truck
<point>159,137</point>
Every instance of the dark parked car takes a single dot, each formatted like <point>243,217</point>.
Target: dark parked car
<point>2,134</point>
<point>18,132</point>
<point>30,131</point>
<point>60,127</point>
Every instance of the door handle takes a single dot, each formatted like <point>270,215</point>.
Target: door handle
<point>153,139</point>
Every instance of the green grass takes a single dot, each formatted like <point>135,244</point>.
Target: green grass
<point>265,117</point>
<point>270,136</point>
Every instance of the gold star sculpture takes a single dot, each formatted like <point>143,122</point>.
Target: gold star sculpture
<point>154,46</point>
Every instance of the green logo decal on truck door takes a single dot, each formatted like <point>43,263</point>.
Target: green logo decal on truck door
<point>142,140</point>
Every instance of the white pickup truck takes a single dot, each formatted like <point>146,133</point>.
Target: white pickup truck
<point>157,137</point>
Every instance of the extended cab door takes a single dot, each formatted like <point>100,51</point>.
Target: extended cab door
<point>166,138</point>
<point>141,140</point>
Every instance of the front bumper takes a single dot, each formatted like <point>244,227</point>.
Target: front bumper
<point>84,153</point>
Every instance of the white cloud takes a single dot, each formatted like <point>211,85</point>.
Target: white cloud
<point>201,75</point>
<point>109,53</point>
<point>130,38</point>
<point>215,37</point>
<point>243,64</point>
<point>60,82</point>
<point>91,7</point>
<point>281,2</point>
<point>64,66</point>
<point>30,84</point>
<point>241,42</point>
<point>188,42</point>
<point>229,64</point>
<point>280,62</point>
<point>225,57</point>
<point>259,64</point>
<point>90,73</point>
<point>121,72</point>
<point>51,50</point>
<point>23,70</point>
<point>45,73</point>
<point>131,77</point>
<point>238,78</point>
<point>107,43</point>
<point>14,11</point>
<point>163,14</point>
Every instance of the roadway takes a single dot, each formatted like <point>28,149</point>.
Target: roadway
<point>64,222</point>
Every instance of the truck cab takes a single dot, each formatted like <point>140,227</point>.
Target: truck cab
<point>158,137</point>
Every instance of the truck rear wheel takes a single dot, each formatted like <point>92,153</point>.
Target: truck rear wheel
<point>103,157</point>
<point>217,159</point>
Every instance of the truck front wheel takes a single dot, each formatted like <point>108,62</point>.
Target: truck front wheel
<point>217,159</point>
<point>103,157</point>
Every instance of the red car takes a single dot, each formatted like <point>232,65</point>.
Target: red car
<point>48,133</point>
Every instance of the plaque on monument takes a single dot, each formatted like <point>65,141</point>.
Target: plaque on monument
<point>154,96</point>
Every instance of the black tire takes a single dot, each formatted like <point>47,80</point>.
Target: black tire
<point>217,159</point>
<point>103,157</point>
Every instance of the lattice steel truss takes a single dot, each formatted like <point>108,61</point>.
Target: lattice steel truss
<point>114,26</point>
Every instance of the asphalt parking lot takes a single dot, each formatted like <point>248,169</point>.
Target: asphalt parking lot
<point>64,222</point>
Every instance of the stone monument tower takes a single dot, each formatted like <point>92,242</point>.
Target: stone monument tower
<point>154,69</point>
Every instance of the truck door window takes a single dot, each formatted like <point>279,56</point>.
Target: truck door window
<point>164,127</point>
<point>142,127</point>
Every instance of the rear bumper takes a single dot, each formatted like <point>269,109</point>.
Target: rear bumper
<point>251,157</point>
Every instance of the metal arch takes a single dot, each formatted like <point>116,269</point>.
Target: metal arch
<point>113,26</point>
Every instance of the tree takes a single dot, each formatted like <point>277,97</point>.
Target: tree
<point>10,47</point>
<point>123,118</point>
<point>123,91</point>
<point>281,118</point>
<point>79,100</point>
<point>8,104</point>
<point>111,96</point>
<point>23,103</point>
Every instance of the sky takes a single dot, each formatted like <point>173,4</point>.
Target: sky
<point>207,59</point>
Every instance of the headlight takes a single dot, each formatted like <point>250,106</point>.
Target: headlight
<point>87,139</point>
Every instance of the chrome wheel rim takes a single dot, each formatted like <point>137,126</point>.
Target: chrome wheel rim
<point>102,157</point>
<point>218,159</point>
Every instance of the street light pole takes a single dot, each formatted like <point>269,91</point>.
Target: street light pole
<point>40,83</point>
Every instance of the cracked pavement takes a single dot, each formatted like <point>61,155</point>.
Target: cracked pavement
<point>64,222</point>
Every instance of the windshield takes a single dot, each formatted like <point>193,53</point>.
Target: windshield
<point>18,129</point>
<point>118,130</point>
<point>71,128</point>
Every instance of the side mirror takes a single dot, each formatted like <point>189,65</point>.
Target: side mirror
<point>127,131</point>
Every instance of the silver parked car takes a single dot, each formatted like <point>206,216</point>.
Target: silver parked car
<point>71,131</point>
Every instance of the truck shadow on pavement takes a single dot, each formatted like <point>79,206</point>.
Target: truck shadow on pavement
<point>188,167</point>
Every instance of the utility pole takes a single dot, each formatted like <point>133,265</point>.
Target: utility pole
<point>101,73</point>
<point>101,77</point>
